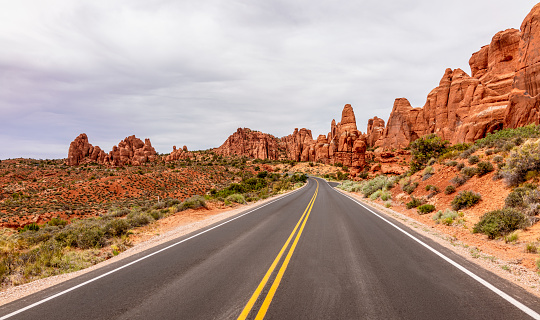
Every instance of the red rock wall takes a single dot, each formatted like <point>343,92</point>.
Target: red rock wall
<point>503,92</point>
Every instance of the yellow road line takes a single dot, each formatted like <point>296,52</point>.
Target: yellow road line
<point>277,281</point>
<point>255,296</point>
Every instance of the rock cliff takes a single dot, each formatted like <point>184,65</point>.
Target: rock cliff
<point>252,144</point>
<point>502,92</point>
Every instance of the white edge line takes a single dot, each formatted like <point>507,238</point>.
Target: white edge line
<point>488,285</point>
<point>35,304</point>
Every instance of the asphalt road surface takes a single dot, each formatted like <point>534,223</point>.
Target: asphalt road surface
<point>312,254</point>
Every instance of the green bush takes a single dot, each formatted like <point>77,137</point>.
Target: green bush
<point>428,172</point>
<point>459,180</point>
<point>469,171</point>
<point>57,222</point>
<point>496,138</point>
<point>500,222</point>
<point>483,168</point>
<point>238,198</point>
<point>447,217</point>
<point>451,163</point>
<point>415,202</point>
<point>465,199</point>
<point>433,188</point>
<point>386,195</point>
<point>191,203</point>
<point>425,148</point>
<point>498,159</point>
<point>460,166</point>
<point>473,159</point>
<point>409,187</point>
<point>520,161</point>
<point>425,208</point>
<point>449,189</point>
<point>375,195</point>
<point>380,182</point>
<point>29,227</point>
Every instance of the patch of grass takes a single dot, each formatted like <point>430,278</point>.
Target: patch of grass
<point>531,247</point>
<point>465,199</point>
<point>512,237</point>
<point>500,222</point>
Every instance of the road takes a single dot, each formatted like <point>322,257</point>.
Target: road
<point>312,254</point>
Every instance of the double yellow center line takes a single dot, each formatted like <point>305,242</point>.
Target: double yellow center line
<point>270,295</point>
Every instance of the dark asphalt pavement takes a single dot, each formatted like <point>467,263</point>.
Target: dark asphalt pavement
<point>338,261</point>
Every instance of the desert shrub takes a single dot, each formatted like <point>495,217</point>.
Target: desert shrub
<point>512,237</point>
<point>498,159</point>
<point>497,175</point>
<point>57,222</point>
<point>484,167</point>
<point>460,166</point>
<point>410,187</point>
<point>116,227</point>
<point>238,198</point>
<point>500,222</point>
<point>531,248</point>
<point>90,237</point>
<point>386,195</point>
<point>446,217</point>
<point>521,160</point>
<point>428,172</point>
<point>191,203</point>
<point>459,180</point>
<point>431,187</point>
<point>466,153</point>
<point>449,189</point>
<point>380,182</point>
<point>350,186</point>
<point>264,174</point>
<point>468,171</point>
<point>425,208</point>
<point>375,195</point>
<point>465,199</point>
<point>363,175</point>
<point>425,148</point>
<point>139,218</point>
<point>431,161</point>
<point>415,202</point>
<point>496,138</point>
<point>473,159</point>
<point>515,199</point>
<point>451,163</point>
<point>29,227</point>
<point>489,152</point>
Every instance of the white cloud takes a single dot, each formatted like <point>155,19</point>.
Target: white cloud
<point>191,72</point>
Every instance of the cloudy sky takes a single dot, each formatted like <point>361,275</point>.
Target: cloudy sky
<point>191,72</point>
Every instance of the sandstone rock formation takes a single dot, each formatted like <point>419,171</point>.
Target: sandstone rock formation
<point>131,150</point>
<point>502,92</point>
<point>252,144</point>
<point>524,106</point>
<point>375,130</point>
<point>344,144</point>
<point>178,154</point>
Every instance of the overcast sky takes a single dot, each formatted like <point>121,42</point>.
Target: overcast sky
<point>192,72</point>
